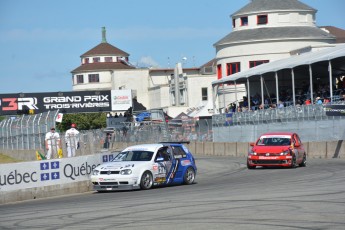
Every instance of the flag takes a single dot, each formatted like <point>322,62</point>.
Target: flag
<point>59,117</point>
<point>60,154</point>
<point>40,156</point>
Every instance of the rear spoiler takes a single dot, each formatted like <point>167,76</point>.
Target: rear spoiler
<point>175,142</point>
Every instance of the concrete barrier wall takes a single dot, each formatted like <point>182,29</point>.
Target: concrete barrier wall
<point>48,178</point>
<point>330,149</point>
<point>45,192</point>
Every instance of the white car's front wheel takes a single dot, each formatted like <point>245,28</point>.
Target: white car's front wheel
<point>146,180</point>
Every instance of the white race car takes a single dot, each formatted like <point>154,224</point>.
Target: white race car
<point>144,166</point>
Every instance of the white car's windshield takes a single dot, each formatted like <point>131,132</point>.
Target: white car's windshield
<point>134,156</point>
<point>274,141</point>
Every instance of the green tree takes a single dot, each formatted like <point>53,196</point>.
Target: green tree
<point>84,121</point>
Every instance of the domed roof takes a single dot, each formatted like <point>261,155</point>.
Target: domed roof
<point>256,6</point>
<point>101,66</point>
<point>276,33</point>
<point>105,49</point>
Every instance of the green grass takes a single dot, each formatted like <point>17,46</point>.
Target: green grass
<point>6,159</point>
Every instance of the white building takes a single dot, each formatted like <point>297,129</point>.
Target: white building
<point>106,67</point>
<point>265,31</point>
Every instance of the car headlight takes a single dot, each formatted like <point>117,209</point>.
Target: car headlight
<point>126,172</point>
<point>252,153</point>
<point>284,153</point>
<point>95,172</point>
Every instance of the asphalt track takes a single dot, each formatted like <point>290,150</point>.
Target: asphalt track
<point>226,195</point>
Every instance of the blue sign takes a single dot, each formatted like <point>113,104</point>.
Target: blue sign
<point>44,166</point>
<point>55,165</point>
<point>55,175</point>
<point>44,176</point>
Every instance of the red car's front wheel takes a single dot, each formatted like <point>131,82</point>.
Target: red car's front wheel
<point>293,162</point>
<point>250,166</point>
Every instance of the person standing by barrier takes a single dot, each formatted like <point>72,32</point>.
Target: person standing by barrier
<point>72,140</point>
<point>52,143</point>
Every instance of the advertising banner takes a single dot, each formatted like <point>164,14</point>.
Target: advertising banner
<point>121,100</point>
<point>335,110</point>
<point>42,173</point>
<point>66,102</point>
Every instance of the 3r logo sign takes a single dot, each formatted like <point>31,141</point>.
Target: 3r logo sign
<point>13,104</point>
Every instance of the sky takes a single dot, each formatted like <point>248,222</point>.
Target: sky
<point>41,40</point>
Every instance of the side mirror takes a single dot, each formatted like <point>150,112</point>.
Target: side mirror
<point>251,143</point>
<point>159,159</point>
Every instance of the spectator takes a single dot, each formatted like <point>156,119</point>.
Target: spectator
<point>318,101</point>
<point>72,140</point>
<point>52,143</point>
<point>106,144</point>
<point>280,105</point>
<point>307,102</point>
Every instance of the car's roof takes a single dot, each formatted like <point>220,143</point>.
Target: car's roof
<point>278,133</point>
<point>145,147</point>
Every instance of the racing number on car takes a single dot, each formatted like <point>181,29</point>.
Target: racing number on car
<point>161,169</point>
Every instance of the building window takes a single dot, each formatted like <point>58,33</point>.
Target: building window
<point>204,96</point>
<point>219,71</point>
<point>232,68</point>
<point>262,19</point>
<point>244,21</point>
<point>93,77</point>
<point>86,60</point>
<point>256,63</point>
<point>108,59</point>
<point>233,23</point>
<point>80,79</point>
<point>96,59</point>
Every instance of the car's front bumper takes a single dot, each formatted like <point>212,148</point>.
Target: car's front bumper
<point>109,183</point>
<point>113,187</point>
<point>283,161</point>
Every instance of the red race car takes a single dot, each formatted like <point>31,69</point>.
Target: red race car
<point>283,149</point>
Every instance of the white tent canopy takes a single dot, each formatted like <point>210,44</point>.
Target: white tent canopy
<point>328,61</point>
<point>288,63</point>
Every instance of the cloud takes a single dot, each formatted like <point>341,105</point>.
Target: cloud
<point>147,62</point>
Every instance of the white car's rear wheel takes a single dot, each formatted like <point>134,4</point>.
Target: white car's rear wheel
<point>146,181</point>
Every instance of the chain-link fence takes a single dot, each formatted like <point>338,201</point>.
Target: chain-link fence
<point>26,131</point>
<point>311,122</point>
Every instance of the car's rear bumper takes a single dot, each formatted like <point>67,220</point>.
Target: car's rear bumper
<point>282,161</point>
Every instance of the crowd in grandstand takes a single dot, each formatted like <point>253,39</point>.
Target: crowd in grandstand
<point>303,97</point>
